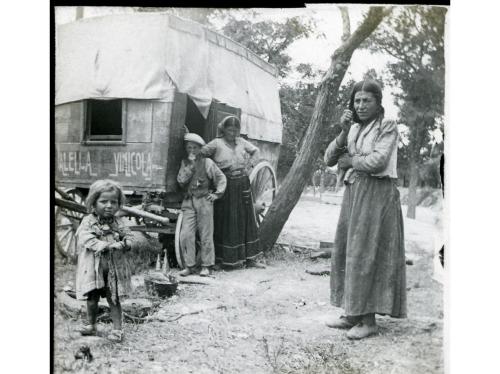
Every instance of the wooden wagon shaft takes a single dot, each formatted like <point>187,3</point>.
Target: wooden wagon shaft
<point>141,213</point>
<point>128,210</point>
<point>71,205</point>
<point>64,195</point>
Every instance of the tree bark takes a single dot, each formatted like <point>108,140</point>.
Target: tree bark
<point>346,23</point>
<point>412,188</point>
<point>300,172</point>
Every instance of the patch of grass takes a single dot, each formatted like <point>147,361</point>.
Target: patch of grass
<point>280,253</point>
<point>287,357</point>
<point>321,359</point>
<point>273,354</point>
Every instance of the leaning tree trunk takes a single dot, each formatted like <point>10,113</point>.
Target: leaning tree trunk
<point>301,170</point>
<point>412,188</point>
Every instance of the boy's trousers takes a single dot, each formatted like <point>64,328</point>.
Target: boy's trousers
<point>197,215</point>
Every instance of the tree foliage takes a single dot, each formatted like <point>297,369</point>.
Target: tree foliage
<point>414,37</point>
<point>419,73</point>
<point>269,39</point>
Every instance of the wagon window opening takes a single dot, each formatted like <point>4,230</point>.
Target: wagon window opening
<point>104,120</point>
<point>195,122</point>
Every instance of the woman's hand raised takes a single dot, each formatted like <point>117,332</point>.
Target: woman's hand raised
<point>346,120</point>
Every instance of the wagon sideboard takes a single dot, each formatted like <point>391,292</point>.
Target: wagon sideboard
<point>147,155</point>
<point>151,139</point>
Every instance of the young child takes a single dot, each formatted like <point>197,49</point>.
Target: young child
<point>199,177</point>
<point>103,269</point>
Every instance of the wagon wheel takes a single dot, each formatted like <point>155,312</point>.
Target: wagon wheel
<point>178,251</point>
<point>66,224</point>
<point>263,184</point>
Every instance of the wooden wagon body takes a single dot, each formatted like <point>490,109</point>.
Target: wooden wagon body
<point>148,155</point>
<point>128,87</point>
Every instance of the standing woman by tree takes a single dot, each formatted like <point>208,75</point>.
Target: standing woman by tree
<point>235,226</point>
<point>368,274</point>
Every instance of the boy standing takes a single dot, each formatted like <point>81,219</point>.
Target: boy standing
<point>199,177</point>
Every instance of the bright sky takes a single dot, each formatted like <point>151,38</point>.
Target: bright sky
<point>314,50</point>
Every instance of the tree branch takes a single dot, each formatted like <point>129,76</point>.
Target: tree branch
<point>346,23</point>
<point>400,58</point>
<point>369,24</point>
<point>386,43</point>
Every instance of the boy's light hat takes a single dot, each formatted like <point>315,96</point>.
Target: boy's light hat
<point>195,138</point>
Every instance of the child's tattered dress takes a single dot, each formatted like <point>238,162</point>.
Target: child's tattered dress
<point>105,270</point>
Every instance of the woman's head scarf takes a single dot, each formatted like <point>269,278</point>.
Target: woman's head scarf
<point>367,85</point>
<point>228,121</point>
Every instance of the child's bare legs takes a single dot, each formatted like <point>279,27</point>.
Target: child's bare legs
<point>115,311</point>
<point>92,307</point>
<point>92,310</point>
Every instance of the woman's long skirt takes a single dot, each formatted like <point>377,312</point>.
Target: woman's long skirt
<point>235,226</point>
<point>368,259</point>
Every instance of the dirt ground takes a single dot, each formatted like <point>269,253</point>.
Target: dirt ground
<point>273,320</point>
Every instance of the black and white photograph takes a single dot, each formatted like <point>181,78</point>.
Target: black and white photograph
<point>250,190</point>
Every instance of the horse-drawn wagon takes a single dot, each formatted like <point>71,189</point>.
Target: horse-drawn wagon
<point>127,89</point>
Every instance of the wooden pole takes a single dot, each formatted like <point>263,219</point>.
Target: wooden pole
<point>71,205</point>
<point>141,213</point>
<point>127,209</point>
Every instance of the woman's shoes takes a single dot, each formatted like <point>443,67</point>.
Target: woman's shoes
<point>343,322</point>
<point>357,329</point>
<point>361,331</point>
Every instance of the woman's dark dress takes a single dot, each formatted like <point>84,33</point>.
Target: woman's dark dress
<point>235,226</point>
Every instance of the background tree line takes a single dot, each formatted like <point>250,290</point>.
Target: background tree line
<point>413,36</point>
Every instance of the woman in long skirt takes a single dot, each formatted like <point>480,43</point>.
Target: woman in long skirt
<point>368,274</point>
<point>235,225</point>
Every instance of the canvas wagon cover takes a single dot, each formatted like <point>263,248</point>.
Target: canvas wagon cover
<point>147,56</point>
